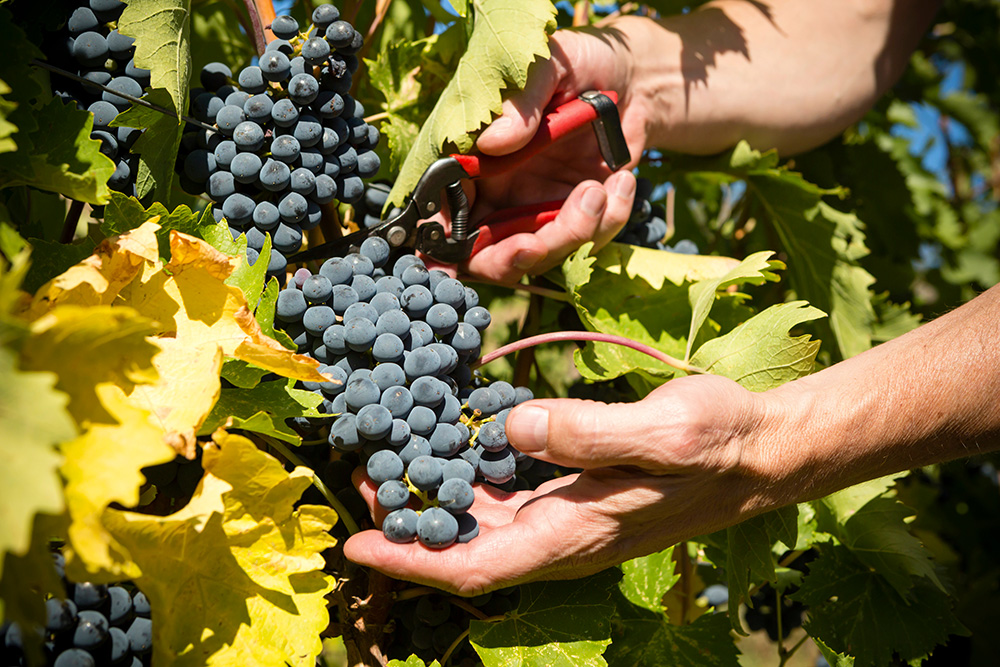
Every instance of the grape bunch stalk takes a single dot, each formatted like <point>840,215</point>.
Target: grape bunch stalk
<point>91,626</point>
<point>89,45</point>
<point>287,138</point>
<point>396,341</point>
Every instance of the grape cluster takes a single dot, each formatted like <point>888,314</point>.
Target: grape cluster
<point>395,341</point>
<point>89,45</point>
<point>647,226</point>
<point>287,137</point>
<point>94,625</point>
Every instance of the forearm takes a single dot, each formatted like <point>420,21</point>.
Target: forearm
<point>788,74</point>
<point>930,396</point>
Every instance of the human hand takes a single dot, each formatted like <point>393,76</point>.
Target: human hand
<point>598,202</point>
<point>680,463</point>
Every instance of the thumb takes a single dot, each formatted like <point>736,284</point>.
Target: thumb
<point>522,112</point>
<point>585,434</point>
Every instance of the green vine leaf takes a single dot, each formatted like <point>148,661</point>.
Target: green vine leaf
<point>124,214</point>
<point>557,623</point>
<point>263,409</point>
<point>856,611</point>
<point>760,354</point>
<point>647,579</point>
<point>162,32</point>
<point>507,36</point>
<point>646,639</point>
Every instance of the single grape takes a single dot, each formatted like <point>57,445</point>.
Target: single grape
<point>497,467</point>
<point>424,473</point>
<point>384,465</point>
<point>293,207</point>
<point>450,410</point>
<point>308,130</point>
<point>91,630</point>
<point>427,390</point>
<point>81,20</point>
<point>199,164</point>
<point>258,109</point>
<point>415,448</point>
<point>442,318</point>
<point>90,48</point>
<point>285,27</point>
<point>251,79</point>
<point>361,392</point>
<point>396,399</point>
<point>125,85</point>
<point>465,339</point>
<point>61,615</point>
<point>302,181</point>
<point>455,495</point>
<point>392,494</point>
<point>248,136</point>
<point>324,15</point>
<point>368,164</point>
<point>351,187</point>
<point>340,34</point>
<point>246,167</point>
<point>359,334</point>
<point>458,469</point>
<point>344,433</point>
<point>400,526</point>
<point>492,437</point>
<point>238,207</point>
<point>140,636</point>
<point>422,420</point>
<point>74,657</point>
<point>388,375</point>
<point>478,317</point>
<point>416,301</point>
<point>343,297</point>
<point>303,89</point>
<point>284,113</point>
<point>224,154</point>
<point>333,339</point>
<point>437,528</point>
<point>317,319</point>
<point>274,176</point>
<point>315,50</point>
<point>274,65</point>
<point>220,185</point>
<point>445,440</point>
<point>468,528</point>
<point>317,289</point>
<point>286,148</point>
<point>214,76</point>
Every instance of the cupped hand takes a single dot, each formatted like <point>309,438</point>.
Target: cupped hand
<point>598,203</point>
<point>682,462</point>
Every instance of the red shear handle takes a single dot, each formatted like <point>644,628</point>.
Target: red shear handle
<point>510,221</point>
<point>556,124</point>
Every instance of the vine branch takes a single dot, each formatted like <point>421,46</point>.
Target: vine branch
<point>591,336</point>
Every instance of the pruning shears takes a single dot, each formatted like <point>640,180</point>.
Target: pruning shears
<point>446,174</point>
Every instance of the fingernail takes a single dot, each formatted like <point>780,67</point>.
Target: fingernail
<point>625,187</point>
<point>525,259</point>
<point>528,428</point>
<point>593,201</point>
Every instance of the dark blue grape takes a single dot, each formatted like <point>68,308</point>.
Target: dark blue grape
<point>416,300</point>
<point>384,465</point>
<point>284,113</point>
<point>458,469</point>
<point>424,473</point>
<point>445,440</point>
<point>422,420</point>
<point>390,285</point>
<point>400,433</point>
<point>251,79</point>
<point>387,347</point>
<point>400,526</point>
<point>220,185</point>
<point>415,448</point>
<point>302,181</point>
<point>324,15</point>
<point>388,375</point>
<point>492,437</point>
<point>427,390</point>
<point>291,306</point>
<point>359,333</point>
<point>478,317</point>
<point>456,495</point>
<point>343,297</point>
<point>246,167</point>
<point>507,393</point>
<point>248,136</point>
<point>225,153</point>
<point>286,148</point>
<point>384,301</point>
<point>337,381</point>
<point>361,392</point>
<point>485,400</point>
<point>214,76</point>
<point>91,630</point>
<point>303,89</point>
<point>333,339</point>
<point>344,433</point>
<point>522,394</point>
<point>258,108</point>
<point>274,65</point>
<point>82,19</point>
<point>337,271</point>
<point>199,165</point>
<point>368,164</point>
<point>325,190</point>
<point>392,494</point>
<point>317,289</point>
<point>238,208</point>
<point>451,292</point>
<point>77,657</point>
<point>274,176</point>
<point>285,27</point>
<point>442,318</point>
<point>90,48</point>
<point>468,528</point>
<point>497,467</point>
<point>351,188</point>
<point>421,361</point>
<point>228,118</point>
<point>293,207</point>
<point>450,410</point>
<point>317,319</point>
<point>140,636</point>
<point>422,334</point>
<point>361,309</point>
<point>104,112</point>
<point>394,322</point>
<point>466,339</point>
<point>61,615</point>
<point>396,399</point>
<point>437,528</point>
<point>364,286</point>
<point>315,50</point>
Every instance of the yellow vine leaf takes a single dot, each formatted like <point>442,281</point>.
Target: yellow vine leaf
<point>240,561</point>
<point>101,467</point>
<point>33,420</point>
<point>98,279</point>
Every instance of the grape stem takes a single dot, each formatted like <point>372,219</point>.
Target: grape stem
<point>592,336</point>
<point>454,645</point>
<point>71,222</point>
<point>259,43</point>
<point>345,516</point>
